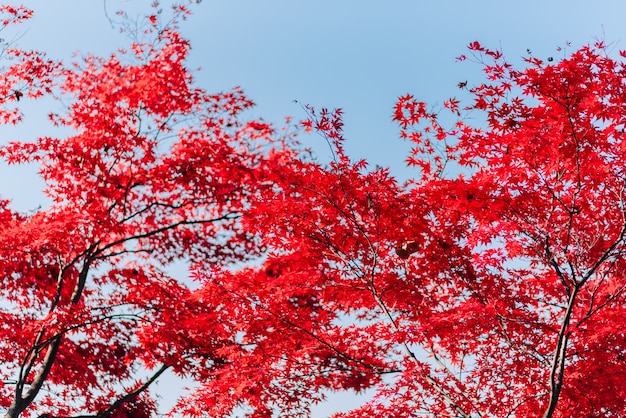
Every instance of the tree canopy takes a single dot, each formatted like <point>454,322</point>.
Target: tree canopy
<point>489,285</point>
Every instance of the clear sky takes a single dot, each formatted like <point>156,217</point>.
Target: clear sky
<point>359,55</point>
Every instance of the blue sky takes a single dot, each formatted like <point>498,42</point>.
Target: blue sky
<point>357,55</point>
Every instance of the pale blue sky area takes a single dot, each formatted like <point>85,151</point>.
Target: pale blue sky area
<point>357,55</point>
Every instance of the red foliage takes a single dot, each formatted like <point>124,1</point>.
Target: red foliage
<point>155,170</point>
<point>489,285</point>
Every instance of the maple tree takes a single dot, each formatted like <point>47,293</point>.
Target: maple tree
<point>154,170</point>
<point>488,285</point>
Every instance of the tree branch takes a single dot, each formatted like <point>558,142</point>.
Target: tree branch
<point>558,362</point>
<point>131,395</point>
